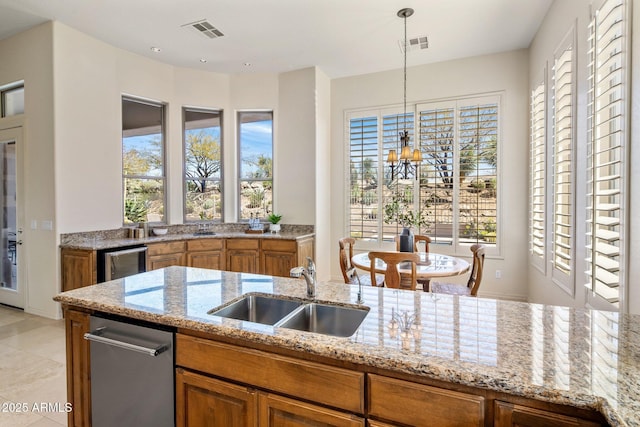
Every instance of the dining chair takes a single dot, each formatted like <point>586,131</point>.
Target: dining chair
<point>418,240</point>
<point>471,289</point>
<point>348,270</point>
<point>392,277</point>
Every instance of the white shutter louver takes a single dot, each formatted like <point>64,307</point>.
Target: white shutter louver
<point>537,223</point>
<point>606,151</point>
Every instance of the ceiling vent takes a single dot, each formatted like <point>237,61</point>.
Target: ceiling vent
<point>416,43</point>
<point>204,28</point>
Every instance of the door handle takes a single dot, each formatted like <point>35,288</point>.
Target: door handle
<point>19,242</point>
<point>98,336</point>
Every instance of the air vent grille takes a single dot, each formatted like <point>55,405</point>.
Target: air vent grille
<point>416,43</point>
<point>204,28</point>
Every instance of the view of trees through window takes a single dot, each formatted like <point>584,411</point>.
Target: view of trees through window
<point>143,161</point>
<point>255,130</point>
<point>202,164</point>
<point>456,193</point>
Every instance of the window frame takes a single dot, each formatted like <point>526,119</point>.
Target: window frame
<point>456,245</point>
<point>185,179</point>
<point>163,176</point>
<point>238,115</point>
<point>12,87</point>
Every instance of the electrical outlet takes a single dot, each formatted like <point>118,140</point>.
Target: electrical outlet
<point>498,274</point>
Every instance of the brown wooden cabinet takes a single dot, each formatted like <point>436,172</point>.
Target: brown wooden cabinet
<point>78,368</point>
<point>206,253</point>
<point>204,401</point>
<point>221,384</point>
<point>243,255</point>
<point>276,411</point>
<point>405,402</point>
<point>511,415</point>
<point>160,255</point>
<point>278,257</point>
<point>274,257</point>
<point>79,268</point>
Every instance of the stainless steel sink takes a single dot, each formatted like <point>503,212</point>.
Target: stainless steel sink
<point>258,308</point>
<point>325,319</point>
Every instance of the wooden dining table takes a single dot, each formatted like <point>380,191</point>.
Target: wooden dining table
<point>431,265</point>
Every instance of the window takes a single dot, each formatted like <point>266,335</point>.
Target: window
<point>607,152</point>
<point>12,100</point>
<point>255,134</point>
<point>537,179</point>
<point>143,171</point>
<point>457,186</point>
<point>202,164</point>
<point>563,165</point>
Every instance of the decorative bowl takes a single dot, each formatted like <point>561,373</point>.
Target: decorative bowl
<point>159,231</point>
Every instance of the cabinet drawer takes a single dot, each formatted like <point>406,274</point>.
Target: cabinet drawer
<point>205,244</point>
<point>279,245</point>
<point>421,404</point>
<point>166,248</point>
<point>243,243</point>
<point>336,387</point>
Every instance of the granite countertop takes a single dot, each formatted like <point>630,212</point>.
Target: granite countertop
<point>109,239</point>
<point>583,358</point>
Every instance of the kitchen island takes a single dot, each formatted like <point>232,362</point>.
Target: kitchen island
<point>460,361</point>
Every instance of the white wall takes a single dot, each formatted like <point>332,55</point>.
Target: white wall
<point>323,213</point>
<point>28,56</point>
<point>506,73</point>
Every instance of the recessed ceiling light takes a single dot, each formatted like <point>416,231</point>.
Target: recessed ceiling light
<point>155,49</point>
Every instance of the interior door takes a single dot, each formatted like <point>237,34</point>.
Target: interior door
<point>12,290</point>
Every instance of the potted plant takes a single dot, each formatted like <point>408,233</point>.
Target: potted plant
<point>400,211</point>
<point>274,219</point>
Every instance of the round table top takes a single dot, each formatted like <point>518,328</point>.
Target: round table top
<point>431,265</point>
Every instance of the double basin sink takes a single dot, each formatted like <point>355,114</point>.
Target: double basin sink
<point>302,315</point>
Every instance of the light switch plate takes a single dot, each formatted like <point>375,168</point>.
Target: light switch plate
<point>46,225</point>
<point>34,224</point>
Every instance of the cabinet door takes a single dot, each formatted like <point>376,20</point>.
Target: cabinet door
<point>278,411</point>
<point>242,261</point>
<point>509,414</point>
<point>78,368</point>
<point>278,263</point>
<point>78,268</point>
<point>204,401</point>
<point>393,400</point>
<point>161,261</point>
<point>206,259</point>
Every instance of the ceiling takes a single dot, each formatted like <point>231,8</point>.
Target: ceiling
<point>341,37</point>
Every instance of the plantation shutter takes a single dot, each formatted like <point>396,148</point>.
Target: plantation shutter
<point>537,175</point>
<point>437,136</point>
<point>392,125</point>
<point>606,152</point>
<point>563,153</point>
<point>363,174</point>
<point>477,165</point>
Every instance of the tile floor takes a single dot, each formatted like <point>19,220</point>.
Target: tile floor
<point>32,370</point>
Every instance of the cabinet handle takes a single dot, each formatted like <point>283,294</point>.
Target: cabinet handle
<point>98,336</point>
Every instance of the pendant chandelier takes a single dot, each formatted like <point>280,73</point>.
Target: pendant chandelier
<point>407,166</point>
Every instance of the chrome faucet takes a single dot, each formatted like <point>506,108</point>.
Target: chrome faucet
<point>309,274</point>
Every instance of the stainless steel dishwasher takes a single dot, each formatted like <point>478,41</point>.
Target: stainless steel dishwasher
<point>132,374</point>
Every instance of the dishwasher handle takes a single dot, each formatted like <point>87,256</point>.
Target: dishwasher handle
<point>98,336</point>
